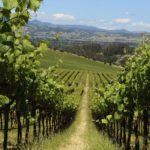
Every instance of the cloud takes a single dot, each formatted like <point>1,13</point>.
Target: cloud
<point>63,17</point>
<point>42,16</point>
<point>118,23</point>
<point>122,20</point>
<point>141,24</point>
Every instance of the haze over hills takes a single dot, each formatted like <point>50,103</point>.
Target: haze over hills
<point>75,28</point>
<point>45,30</point>
<point>67,28</point>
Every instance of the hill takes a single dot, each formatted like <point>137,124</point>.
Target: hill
<point>46,30</point>
<point>73,62</point>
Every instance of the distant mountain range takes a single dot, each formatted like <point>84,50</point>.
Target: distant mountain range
<point>75,28</point>
<point>45,30</point>
<point>67,28</point>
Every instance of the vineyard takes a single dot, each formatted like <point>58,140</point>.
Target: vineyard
<point>52,114</point>
<point>43,92</point>
<point>46,116</point>
<point>121,109</point>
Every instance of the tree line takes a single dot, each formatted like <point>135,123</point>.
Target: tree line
<point>107,52</point>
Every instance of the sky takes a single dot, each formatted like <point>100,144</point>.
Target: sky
<point>133,15</point>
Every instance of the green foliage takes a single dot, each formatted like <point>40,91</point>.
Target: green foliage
<point>24,87</point>
<point>129,95</point>
<point>3,100</point>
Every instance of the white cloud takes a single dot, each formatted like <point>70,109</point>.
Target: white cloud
<point>118,23</point>
<point>141,24</point>
<point>42,16</point>
<point>63,17</point>
<point>122,20</point>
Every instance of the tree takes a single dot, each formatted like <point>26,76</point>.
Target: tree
<point>16,54</point>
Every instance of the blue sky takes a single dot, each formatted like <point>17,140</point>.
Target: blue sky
<point>132,15</point>
<point>109,14</point>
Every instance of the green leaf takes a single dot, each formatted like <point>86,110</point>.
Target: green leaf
<point>17,41</point>
<point>121,107</point>
<point>10,38</point>
<point>11,58</point>
<point>3,100</point>
<point>34,4</point>
<point>25,16</point>
<point>136,114</point>
<point>9,4</point>
<point>97,121</point>
<point>17,53</point>
<point>109,117</point>
<point>43,47</point>
<point>104,121</point>
<point>117,116</point>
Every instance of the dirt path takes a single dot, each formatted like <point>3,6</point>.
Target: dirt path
<point>77,142</point>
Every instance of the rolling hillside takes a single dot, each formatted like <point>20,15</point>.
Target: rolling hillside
<point>73,62</point>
